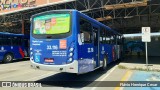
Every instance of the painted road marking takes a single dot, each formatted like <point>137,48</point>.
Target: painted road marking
<point>104,77</point>
<point>124,78</point>
<point>143,76</point>
<point>108,73</point>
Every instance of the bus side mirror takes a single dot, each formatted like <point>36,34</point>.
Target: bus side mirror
<point>82,37</point>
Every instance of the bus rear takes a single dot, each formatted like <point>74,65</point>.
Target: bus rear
<point>53,44</point>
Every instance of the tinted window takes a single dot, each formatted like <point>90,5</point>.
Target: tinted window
<point>52,24</point>
<point>17,41</point>
<point>5,40</point>
<point>86,29</point>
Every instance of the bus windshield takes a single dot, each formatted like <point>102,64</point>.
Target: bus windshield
<point>52,24</point>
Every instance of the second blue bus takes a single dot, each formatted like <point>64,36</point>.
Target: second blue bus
<point>13,46</point>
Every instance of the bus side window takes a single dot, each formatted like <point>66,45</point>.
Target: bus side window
<point>20,41</point>
<point>1,40</point>
<point>119,42</point>
<point>112,38</point>
<point>102,36</point>
<point>95,36</point>
<point>8,41</point>
<point>26,43</point>
<point>107,38</point>
<point>115,39</point>
<point>15,41</point>
<point>85,28</point>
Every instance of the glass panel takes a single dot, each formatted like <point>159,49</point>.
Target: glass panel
<point>52,24</point>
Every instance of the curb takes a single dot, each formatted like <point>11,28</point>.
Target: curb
<point>140,67</point>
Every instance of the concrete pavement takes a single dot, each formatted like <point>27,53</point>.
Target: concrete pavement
<point>21,71</point>
<point>139,63</point>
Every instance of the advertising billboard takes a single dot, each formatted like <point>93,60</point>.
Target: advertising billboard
<point>11,6</point>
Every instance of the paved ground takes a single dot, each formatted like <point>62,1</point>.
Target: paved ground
<point>21,71</point>
<point>142,60</point>
<point>134,62</point>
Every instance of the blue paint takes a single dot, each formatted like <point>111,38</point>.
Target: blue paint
<point>17,49</point>
<point>143,76</point>
<point>86,54</point>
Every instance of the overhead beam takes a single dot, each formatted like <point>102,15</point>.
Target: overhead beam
<point>125,5</point>
<point>104,18</point>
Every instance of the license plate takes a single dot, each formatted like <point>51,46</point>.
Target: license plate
<point>49,60</point>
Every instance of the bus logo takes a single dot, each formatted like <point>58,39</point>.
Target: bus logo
<point>37,58</point>
<point>63,44</point>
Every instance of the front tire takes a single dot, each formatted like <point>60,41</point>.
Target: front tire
<point>104,67</point>
<point>8,58</point>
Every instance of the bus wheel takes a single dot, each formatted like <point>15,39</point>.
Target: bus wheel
<point>104,67</point>
<point>8,58</point>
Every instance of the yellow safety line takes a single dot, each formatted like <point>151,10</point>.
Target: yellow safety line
<point>124,78</point>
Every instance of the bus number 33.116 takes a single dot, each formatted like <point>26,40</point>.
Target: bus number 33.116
<point>69,41</point>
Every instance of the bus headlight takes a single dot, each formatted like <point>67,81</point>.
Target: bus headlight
<point>71,54</point>
<point>70,59</point>
<point>71,49</point>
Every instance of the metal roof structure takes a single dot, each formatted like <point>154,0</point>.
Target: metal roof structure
<point>125,16</point>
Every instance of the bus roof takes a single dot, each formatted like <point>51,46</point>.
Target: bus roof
<point>10,34</point>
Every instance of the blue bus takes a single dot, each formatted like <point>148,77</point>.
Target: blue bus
<point>70,41</point>
<point>13,46</point>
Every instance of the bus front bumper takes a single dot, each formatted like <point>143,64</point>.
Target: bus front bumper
<point>70,68</point>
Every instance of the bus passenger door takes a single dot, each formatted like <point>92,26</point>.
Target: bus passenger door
<point>96,45</point>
